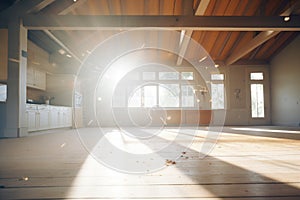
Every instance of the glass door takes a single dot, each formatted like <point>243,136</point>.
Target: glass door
<point>259,105</point>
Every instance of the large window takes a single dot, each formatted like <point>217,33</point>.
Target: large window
<point>217,91</point>
<point>168,75</point>
<point>187,96</point>
<point>135,98</point>
<point>169,95</point>
<point>156,89</point>
<point>150,96</point>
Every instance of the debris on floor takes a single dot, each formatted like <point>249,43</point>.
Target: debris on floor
<point>170,162</point>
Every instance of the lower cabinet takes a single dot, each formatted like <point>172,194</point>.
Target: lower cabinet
<point>43,117</point>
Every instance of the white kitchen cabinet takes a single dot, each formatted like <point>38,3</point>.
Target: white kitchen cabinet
<point>54,117</point>
<point>32,117</point>
<point>36,78</point>
<point>43,117</point>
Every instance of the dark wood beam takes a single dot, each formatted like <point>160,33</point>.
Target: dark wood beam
<point>211,23</point>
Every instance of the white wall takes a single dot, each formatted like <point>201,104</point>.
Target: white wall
<point>239,106</point>
<point>285,83</point>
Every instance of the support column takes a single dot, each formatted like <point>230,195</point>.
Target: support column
<point>16,120</point>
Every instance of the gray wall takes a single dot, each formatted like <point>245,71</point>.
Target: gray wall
<point>285,83</point>
<point>2,118</point>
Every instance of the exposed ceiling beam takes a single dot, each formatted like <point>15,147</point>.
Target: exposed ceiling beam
<point>259,39</point>
<point>23,7</point>
<point>255,42</point>
<point>212,23</point>
<point>53,37</point>
<point>40,6</point>
<point>62,7</point>
<point>188,34</point>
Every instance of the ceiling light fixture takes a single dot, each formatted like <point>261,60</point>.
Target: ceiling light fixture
<point>61,51</point>
<point>69,56</point>
<point>286,18</point>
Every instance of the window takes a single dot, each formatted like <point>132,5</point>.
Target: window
<point>257,101</point>
<point>256,76</point>
<point>150,96</point>
<point>119,97</point>
<point>187,96</point>
<point>217,77</point>
<point>154,88</point>
<point>134,98</point>
<point>168,75</point>
<point>257,95</point>
<point>187,76</point>
<point>3,92</point>
<point>217,91</point>
<point>149,76</point>
<point>169,95</point>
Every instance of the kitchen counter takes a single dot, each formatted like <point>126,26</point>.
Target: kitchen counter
<point>44,116</point>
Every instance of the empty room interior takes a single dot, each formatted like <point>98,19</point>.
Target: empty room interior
<point>150,99</point>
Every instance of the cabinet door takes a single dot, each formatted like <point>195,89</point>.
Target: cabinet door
<point>69,117</point>
<point>44,119</point>
<point>30,77</point>
<point>53,118</point>
<point>31,120</point>
<point>40,79</point>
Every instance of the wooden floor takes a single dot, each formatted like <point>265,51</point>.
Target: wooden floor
<point>246,163</point>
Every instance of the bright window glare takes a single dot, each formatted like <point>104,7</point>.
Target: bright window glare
<point>135,98</point>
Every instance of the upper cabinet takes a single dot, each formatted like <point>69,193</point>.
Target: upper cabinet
<point>36,78</point>
<point>37,65</point>
<point>3,54</point>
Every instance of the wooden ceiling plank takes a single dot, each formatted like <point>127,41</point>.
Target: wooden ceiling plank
<point>185,43</point>
<point>151,7</point>
<point>40,6</point>
<point>187,7</point>
<point>62,7</point>
<point>221,7</point>
<point>62,45</point>
<point>221,49</point>
<point>178,7</point>
<point>255,51</point>
<point>273,44</point>
<point>114,7</point>
<point>220,39</point>
<point>255,42</point>
<point>211,23</point>
<point>23,7</point>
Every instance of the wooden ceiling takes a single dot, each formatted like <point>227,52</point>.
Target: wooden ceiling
<point>223,46</point>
